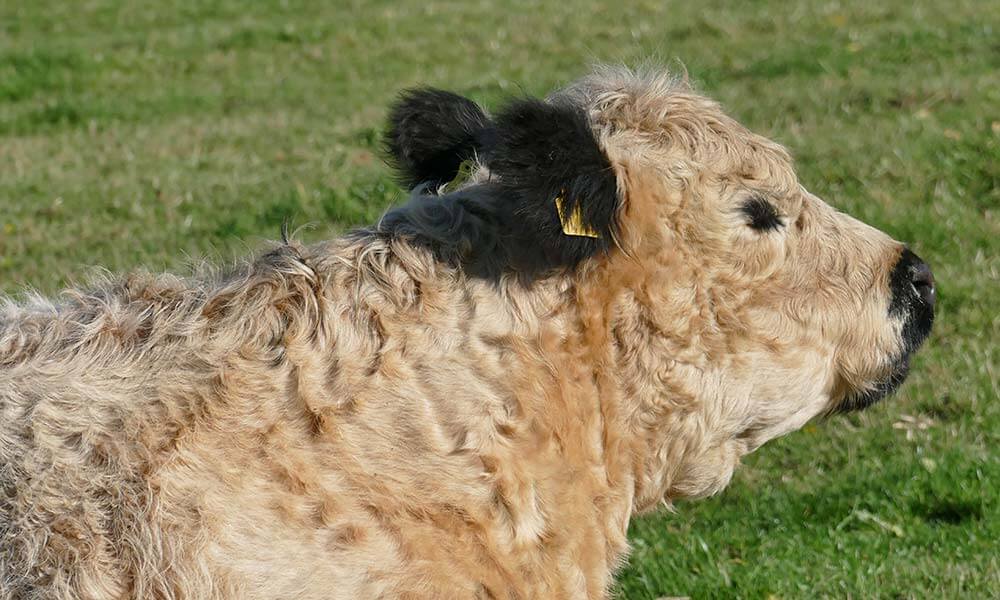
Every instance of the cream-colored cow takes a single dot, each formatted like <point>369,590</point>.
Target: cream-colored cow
<point>472,398</point>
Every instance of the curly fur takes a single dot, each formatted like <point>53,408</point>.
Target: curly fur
<point>369,418</point>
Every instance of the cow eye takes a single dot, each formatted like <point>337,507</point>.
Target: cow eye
<point>761,214</point>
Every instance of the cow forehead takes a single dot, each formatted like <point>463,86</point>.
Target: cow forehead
<point>654,117</point>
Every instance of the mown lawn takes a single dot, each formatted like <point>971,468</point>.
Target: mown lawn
<point>161,133</point>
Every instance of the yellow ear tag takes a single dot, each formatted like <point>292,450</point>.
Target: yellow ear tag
<point>572,223</point>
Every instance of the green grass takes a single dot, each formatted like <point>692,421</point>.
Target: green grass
<point>158,133</point>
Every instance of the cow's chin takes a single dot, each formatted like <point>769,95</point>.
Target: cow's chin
<point>881,387</point>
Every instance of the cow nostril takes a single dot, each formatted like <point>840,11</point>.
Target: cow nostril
<point>911,284</point>
<point>923,282</point>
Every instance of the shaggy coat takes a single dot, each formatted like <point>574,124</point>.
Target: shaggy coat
<point>472,398</point>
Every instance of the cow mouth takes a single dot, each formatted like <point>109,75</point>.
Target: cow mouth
<point>915,330</point>
<point>917,312</point>
<point>887,384</point>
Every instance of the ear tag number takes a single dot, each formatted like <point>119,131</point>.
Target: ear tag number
<point>572,223</point>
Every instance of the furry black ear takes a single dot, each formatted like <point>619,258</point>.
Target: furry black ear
<point>546,154</point>
<point>431,132</point>
<point>546,158</point>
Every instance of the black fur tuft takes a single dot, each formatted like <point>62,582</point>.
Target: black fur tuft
<point>469,229</point>
<point>431,132</point>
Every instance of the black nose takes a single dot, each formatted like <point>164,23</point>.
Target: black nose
<point>912,287</point>
<point>912,284</point>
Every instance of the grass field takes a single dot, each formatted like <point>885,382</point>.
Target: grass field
<point>158,133</point>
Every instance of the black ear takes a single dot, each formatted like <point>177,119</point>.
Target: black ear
<point>431,132</point>
<point>546,153</point>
